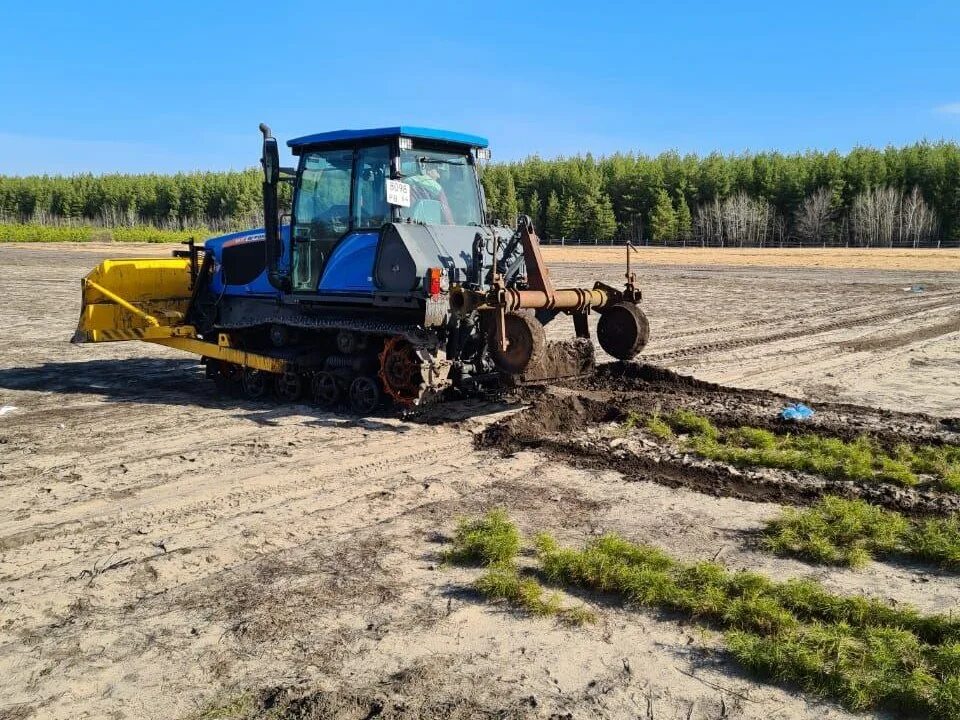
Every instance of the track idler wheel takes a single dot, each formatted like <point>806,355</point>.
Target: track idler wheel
<point>526,341</point>
<point>623,330</point>
<point>256,383</point>
<point>290,386</point>
<point>364,395</point>
<point>326,389</point>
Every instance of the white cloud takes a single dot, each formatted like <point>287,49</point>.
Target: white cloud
<point>950,109</point>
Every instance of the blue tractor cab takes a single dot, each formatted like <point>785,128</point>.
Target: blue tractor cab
<point>351,182</point>
<point>348,184</point>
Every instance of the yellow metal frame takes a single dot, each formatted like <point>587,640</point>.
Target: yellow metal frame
<point>192,344</point>
<point>146,300</point>
<point>121,302</point>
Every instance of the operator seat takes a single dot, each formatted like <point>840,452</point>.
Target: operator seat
<point>427,211</point>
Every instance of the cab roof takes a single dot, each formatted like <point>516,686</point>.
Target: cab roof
<point>388,133</point>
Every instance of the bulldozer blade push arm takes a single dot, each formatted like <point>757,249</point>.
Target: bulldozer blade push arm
<point>225,353</point>
<point>150,319</point>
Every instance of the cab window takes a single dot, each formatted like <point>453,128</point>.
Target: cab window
<point>443,188</point>
<point>370,208</point>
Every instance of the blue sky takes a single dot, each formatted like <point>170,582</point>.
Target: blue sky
<point>173,85</point>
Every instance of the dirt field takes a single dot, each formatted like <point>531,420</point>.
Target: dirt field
<point>847,258</point>
<point>166,553</point>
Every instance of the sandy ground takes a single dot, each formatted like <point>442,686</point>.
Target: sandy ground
<point>845,258</point>
<point>164,551</point>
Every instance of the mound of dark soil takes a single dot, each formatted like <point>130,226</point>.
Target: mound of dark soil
<point>568,419</point>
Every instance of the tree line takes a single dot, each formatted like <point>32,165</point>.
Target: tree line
<point>907,196</point>
<point>214,200</point>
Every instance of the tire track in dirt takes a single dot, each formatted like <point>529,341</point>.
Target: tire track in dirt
<point>389,460</point>
<point>737,343</point>
<point>806,315</point>
<point>285,521</point>
<point>207,598</point>
<point>892,342</point>
<point>754,323</point>
<point>816,357</point>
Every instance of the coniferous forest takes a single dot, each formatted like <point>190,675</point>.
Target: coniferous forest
<point>895,197</point>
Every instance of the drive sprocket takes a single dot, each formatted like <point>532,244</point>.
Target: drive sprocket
<point>401,372</point>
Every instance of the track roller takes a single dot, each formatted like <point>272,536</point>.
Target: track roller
<point>289,386</point>
<point>226,376</point>
<point>623,330</point>
<point>364,394</point>
<point>256,383</point>
<point>526,341</point>
<point>325,388</point>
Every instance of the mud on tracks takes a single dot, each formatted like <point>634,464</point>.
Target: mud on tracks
<point>579,422</point>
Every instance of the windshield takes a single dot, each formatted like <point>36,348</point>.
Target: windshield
<point>443,188</point>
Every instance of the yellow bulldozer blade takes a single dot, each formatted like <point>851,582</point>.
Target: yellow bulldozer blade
<point>128,299</point>
<point>147,300</point>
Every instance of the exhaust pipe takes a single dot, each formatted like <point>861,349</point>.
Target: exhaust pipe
<point>270,159</point>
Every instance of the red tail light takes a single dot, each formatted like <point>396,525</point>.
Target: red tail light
<point>433,281</point>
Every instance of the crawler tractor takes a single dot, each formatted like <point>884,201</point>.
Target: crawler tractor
<point>386,282</point>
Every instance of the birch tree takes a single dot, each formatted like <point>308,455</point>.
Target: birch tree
<point>814,222</point>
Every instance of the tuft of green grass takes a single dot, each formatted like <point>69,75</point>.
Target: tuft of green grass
<point>850,533</point>
<point>860,459</point>
<point>493,540</point>
<point>686,421</point>
<point>490,540</point>
<point>861,668</point>
<point>941,461</point>
<point>749,437</point>
<point>935,541</point>
<point>658,427</point>
<point>836,531</point>
<point>239,707</point>
<point>505,583</point>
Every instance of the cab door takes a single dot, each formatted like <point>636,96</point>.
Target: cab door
<point>321,213</point>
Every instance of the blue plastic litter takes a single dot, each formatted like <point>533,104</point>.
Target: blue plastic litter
<point>797,411</point>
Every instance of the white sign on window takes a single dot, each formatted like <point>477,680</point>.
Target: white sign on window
<point>398,193</point>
